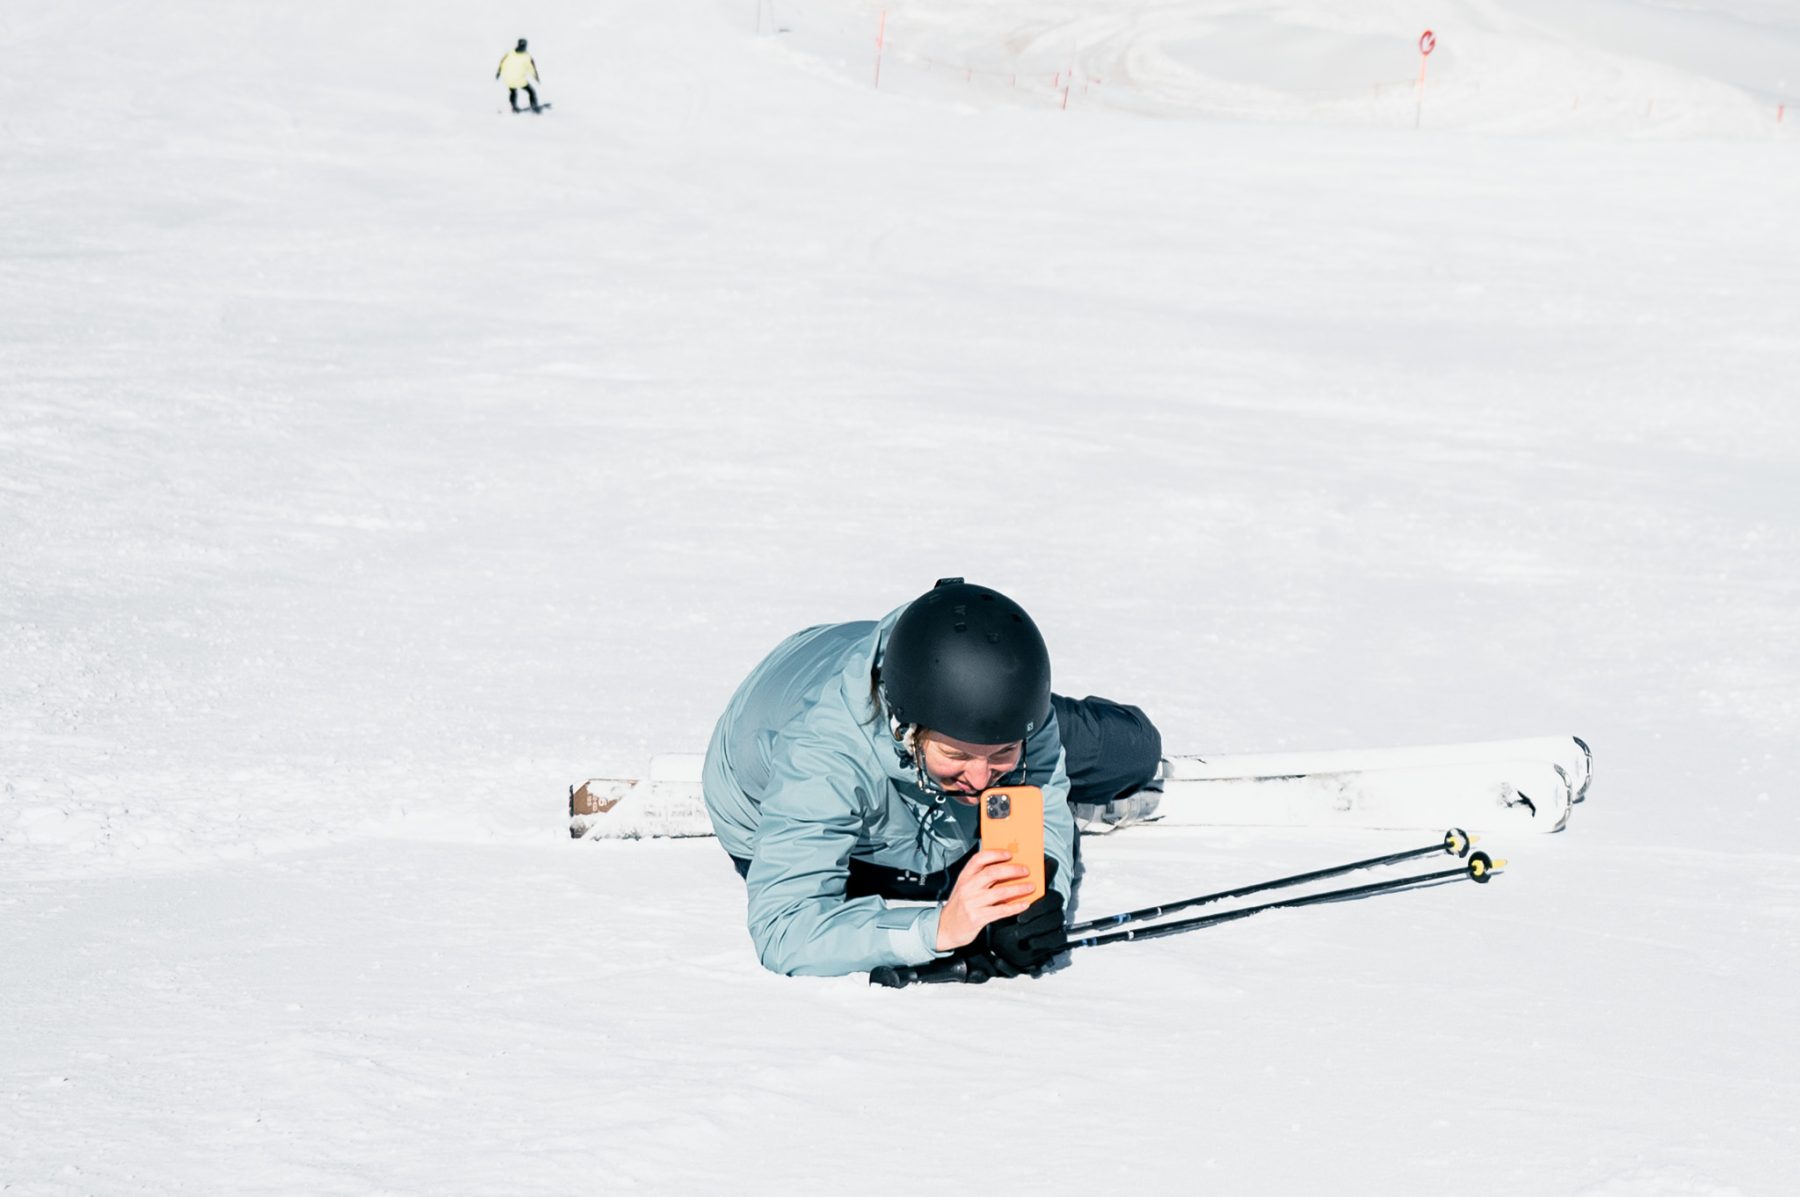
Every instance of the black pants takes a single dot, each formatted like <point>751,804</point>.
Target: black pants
<point>1109,751</point>
<point>512,94</point>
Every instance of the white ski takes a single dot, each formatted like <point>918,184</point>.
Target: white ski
<point>1500,785</point>
<point>1477,796</point>
<point>1569,752</point>
<point>603,808</point>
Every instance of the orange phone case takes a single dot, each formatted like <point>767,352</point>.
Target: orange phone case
<point>1012,820</point>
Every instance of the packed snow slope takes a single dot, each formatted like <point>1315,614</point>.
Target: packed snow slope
<point>374,463</point>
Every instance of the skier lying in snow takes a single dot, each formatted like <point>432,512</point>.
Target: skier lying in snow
<point>845,772</point>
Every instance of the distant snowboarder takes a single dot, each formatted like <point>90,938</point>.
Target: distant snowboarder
<point>518,71</point>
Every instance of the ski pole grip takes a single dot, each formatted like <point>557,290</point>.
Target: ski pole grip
<point>949,971</point>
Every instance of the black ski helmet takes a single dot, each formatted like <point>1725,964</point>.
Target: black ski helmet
<point>520,49</point>
<point>967,661</point>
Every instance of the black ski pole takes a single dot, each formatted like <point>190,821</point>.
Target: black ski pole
<point>950,970</point>
<point>1456,841</point>
<point>1480,867</point>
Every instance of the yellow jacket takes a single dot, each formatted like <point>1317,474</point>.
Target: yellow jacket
<point>517,69</point>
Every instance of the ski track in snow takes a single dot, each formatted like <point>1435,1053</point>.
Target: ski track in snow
<point>371,468</point>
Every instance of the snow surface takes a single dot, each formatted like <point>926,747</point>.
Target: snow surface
<point>373,464</point>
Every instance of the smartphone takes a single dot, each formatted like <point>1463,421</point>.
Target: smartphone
<point>1012,820</point>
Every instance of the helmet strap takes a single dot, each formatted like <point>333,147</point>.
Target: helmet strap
<point>906,740</point>
<point>906,743</point>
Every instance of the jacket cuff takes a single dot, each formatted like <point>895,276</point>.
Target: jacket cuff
<point>917,944</point>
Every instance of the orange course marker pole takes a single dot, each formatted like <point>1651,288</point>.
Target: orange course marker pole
<point>1427,43</point>
<point>880,43</point>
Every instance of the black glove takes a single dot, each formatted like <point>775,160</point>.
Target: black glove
<point>1029,940</point>
<point>1024,943</point>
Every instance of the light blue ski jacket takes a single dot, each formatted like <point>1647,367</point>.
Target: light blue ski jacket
<point>803,774</point>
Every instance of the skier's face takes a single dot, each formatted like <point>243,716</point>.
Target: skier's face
<point>964,769</point>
